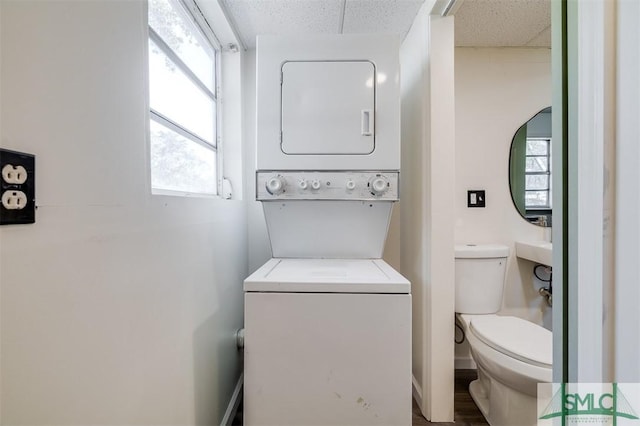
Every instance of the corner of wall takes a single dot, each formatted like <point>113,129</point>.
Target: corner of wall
<point>428,139</point>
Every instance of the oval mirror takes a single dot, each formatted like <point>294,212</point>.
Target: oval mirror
<point>530,169</point>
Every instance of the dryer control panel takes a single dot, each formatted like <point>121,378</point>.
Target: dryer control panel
<point>325,185</point>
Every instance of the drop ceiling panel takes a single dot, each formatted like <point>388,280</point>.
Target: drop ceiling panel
<point>477,22</point>
<point>284,17</point>
<point>380,16</point>
<point>503,23</point>
<point>541,40</point>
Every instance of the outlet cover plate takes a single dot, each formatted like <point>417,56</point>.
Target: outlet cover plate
<point>28,213</point>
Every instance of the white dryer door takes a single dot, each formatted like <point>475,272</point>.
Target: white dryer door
<point>328,107</point>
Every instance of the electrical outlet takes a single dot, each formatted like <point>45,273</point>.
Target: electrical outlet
<point>14,174</point>
<point>17,188</point>
<point>14,200</point>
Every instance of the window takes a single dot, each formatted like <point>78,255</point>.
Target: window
<point>183,69</point>
<point>538,174</point>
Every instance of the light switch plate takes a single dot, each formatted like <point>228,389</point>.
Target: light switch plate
<point>17,190</point>
<point>476,198</point>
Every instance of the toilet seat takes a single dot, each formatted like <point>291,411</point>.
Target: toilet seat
<point>516,338</point>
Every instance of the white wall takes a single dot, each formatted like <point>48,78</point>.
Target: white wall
<point>498,90</point>
<point>426,220</point>
<point>603,323</point>
<point>259,247</point>
<point>627,250</point>
<point>117,307</point>
<point>603,192</point>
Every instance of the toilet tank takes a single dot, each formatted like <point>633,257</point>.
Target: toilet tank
<point>479,280</point>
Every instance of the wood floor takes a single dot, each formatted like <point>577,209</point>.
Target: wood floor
<point>465,411</point>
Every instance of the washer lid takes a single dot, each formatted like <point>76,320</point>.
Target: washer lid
<point>327,276</point>
<point>520,339</point>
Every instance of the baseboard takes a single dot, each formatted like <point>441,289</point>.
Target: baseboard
<point>417,391</point>
<point>232,408</point>
<point>464,364</point>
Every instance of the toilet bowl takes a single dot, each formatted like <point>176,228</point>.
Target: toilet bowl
<point>512,355</point>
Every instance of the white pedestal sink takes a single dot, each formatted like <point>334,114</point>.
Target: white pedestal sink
<point>536,251</point>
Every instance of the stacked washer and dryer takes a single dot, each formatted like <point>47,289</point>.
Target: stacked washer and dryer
<point>327,321</point>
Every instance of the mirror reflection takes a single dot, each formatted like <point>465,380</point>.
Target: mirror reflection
<point>530,169</point>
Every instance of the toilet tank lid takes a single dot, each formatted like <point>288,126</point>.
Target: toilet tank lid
<point>479,251</point>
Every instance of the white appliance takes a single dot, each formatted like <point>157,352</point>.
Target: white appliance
<point>327,322</point>
<point>327,214</point>
<point>327,343</point>
<point>328,103</point>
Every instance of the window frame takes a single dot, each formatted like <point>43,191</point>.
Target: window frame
<point>545,173</point>
<point>201,25</point>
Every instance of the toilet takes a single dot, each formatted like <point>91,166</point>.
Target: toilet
<point>512,355</point>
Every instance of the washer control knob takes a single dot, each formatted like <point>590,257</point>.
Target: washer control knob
<point>351,185</point>
<point>315,184</point>
<point>379,185</point>
<point>303,184</point>
<point>275,185</point>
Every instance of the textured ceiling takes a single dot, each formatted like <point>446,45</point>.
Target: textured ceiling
<point>503,23</point>
<point>292,17</point>
<point>477,22</point>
